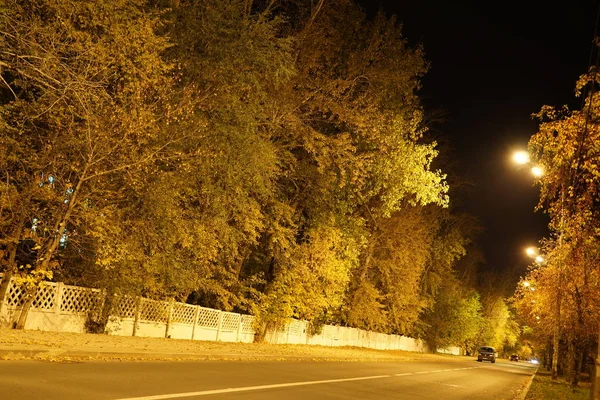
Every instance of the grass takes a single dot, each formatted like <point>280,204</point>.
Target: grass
<point>18,344</point>
<point>544,388</point>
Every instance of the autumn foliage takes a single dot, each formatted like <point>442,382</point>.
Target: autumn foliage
<point>264,157</point>
<point>560,297</point>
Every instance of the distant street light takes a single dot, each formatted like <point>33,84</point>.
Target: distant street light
<point>521,157</point>
<point>537,171</point>
<point>534,253</point>
<point>526,283</point>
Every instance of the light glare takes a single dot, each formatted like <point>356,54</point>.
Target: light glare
<point>521,157</point>
<point>537,171</point>
<point>531,251</point>
<point>539,259</point>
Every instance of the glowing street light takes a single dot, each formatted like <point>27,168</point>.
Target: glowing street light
<point>537,171</point>
<point>531,251</point>
<point>539,259</point>
<point>521,157</point>
<point>526,283</point>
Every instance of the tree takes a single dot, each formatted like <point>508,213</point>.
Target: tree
<point>83,88</point>
<point>566,147</point>
<point>455,318</point>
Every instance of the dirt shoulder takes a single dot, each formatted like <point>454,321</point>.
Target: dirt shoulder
<point>16,344</point>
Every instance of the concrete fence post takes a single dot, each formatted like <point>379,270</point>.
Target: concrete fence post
<point>136,318</point>
<point>239,329</point>
<point>219,326</point>
<point>59,288</point>
<point>196,315</point>
<point>169,317</point>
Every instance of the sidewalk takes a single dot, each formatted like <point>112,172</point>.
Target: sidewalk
<point>18,345</point>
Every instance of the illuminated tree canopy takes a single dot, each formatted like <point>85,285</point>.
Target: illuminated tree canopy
<point>263,157</point>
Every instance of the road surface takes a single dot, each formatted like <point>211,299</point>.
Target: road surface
<point>263,380</point>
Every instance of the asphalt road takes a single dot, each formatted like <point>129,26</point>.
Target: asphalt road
<point>261,380</point>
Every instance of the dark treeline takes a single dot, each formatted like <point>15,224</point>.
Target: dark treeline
<point>268,157</point>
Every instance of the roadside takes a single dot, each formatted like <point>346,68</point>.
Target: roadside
<point>544,388</point>
<point>18,345</point>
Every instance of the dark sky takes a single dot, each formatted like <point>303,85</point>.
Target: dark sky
<point>493,64</point>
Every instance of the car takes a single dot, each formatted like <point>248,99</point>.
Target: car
<point>514,357</point>
<point>486,353</point>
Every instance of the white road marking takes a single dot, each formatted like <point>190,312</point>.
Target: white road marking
<point>250,388</point>
<point>448,384</point>
<point>283,385</point>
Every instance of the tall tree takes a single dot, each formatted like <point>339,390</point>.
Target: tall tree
<point>83,88</point>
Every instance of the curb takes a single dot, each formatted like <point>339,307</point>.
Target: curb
<point>523,392</point>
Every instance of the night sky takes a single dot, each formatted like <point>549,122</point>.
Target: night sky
<point>493,64</point>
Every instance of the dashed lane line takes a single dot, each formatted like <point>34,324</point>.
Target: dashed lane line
<point>278,385</point>
<point>251,388</point>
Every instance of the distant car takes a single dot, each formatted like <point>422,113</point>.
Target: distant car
<point>486,353</point>
<point>514,357</point>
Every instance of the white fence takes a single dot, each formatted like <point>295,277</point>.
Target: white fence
<point>63,308</point>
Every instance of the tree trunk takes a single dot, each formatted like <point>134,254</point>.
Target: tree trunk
<point>556,338</point>
<point>577,368</point>
<point>240,263</point>
<point>366,264</point>
<point>4,284</point>
<point>25,308</point>
<point>44,262</point>
<point>571,359</point>
<point>595,392</point>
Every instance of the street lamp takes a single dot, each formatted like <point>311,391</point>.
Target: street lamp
<point>537,171</point>
<point>531,251</point>
<point>534,253</point>
<point>521,157</point>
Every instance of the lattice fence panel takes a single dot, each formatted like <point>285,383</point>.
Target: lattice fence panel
<point>208,318</point>
<point>296,327</point>
<point>183,313</point>
<point>231,321</point>
<point>45,297</point>
<point>154,310</point>
<point>247,322</point>
<point>125,307</point>
<point>77,299</point>
<point>14,297</point>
